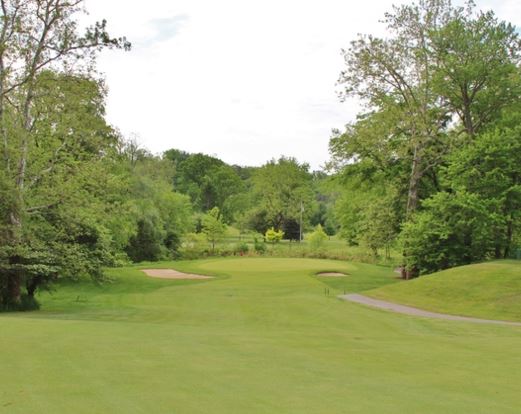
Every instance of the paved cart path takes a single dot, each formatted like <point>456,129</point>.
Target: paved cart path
<point>409,310</point>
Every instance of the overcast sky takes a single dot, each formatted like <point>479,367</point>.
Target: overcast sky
<point>246,81</point>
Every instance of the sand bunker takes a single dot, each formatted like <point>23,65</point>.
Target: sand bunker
<point>172,274</point>
<point>331,274</point>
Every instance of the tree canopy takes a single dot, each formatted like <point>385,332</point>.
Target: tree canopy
<point>53,134</point>
<point>435,90</point>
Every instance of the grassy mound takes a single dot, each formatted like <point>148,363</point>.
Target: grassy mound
<point>489,290</point>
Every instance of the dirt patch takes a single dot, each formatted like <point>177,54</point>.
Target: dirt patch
<point>172,274</point>
<point>331,274</point>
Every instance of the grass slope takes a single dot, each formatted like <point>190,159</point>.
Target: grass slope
<point>489,290</point>
<point>261,338</point>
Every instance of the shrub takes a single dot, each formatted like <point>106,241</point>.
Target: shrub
<point>453,229</point>
<point>27,303</point>
<point>225,251</point>
<point>193,246</point>
<point>241,249</point>
<point>317,238</point>
<point>259,247</point>
<point>147,243</point>
<point>274,236</point>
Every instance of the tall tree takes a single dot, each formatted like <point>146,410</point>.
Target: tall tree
<point>476,73</point>
<point>393,77</point>
<point>282,189</point>
<point>35,36</point>
<point>443,75</point>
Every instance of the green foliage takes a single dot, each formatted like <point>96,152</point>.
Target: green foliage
<point>282,189</point>
<point>241,248</point>
<point>86,201</point>
<point>213,226</point>
<point>54,135</point>
<point>273,236</point>
<point>208,181</point>
<point>317,238</point>
<point>235,208</point>
<point>193,246</point>
<point>490,169</point>
<point>63,176</point>
<point>146,244</point>
<point>436,147</point>
<point>331,224</point>
<point>369,211</point>
<point>152,217</point>
<point>477,70</point>
<point>291,229</point>
<point>326,194</point>
<point>257,219</point>
<point>259,246</point>
<point>379,227</point>
<point>480,217</point>
<point>454,229</point>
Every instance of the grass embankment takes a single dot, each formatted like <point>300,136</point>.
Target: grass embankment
<point>489,290</point>
<point>260,338</point>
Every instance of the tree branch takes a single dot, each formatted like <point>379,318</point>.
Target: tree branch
<point>31,210</point>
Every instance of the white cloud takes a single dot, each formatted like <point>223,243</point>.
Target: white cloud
<point>244,80</point>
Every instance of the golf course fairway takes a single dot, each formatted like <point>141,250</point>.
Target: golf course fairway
<point>264,335</point>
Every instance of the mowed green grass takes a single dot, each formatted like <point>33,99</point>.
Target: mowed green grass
<point>487,290</point>
<point>260,338</point>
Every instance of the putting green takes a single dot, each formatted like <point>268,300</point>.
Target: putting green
<point>262,337</point>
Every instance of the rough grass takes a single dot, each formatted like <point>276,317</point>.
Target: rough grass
<point>487,290</point>
<point>333,248</point>
<point>260,338</point>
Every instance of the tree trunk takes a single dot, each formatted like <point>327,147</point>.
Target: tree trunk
<point>411,273</point>
<point>414,183</point>
<point>467,115</point>
<point>32,285</point>
<point>497,251</point>
<point>510,233</point>
<point>412,204</point>
<point>14,279</point>
<point>14,289</point>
